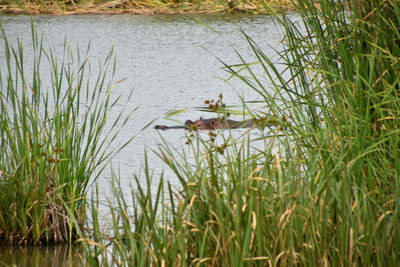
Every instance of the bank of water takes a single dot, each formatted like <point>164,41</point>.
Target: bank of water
<point>171,61</point>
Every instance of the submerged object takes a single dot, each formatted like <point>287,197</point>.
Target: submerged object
<point>211,124</point>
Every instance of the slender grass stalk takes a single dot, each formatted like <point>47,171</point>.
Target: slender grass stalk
<point>53,144</point>
<point>327,191</point>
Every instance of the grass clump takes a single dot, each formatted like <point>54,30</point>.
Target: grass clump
<point>52,140</point>
<point>327,191</point>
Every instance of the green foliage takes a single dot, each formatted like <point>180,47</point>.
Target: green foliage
<point>52,141</point>
<point>322,190</point>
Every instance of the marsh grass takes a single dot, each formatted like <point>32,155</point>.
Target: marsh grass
<point>328,196</point>
<point>142,7</point>
<point>53,143</point>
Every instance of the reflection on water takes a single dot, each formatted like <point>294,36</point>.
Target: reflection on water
<point>40,256</point>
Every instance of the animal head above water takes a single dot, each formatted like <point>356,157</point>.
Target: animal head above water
<point>200,124</point>
<point>208,124</point>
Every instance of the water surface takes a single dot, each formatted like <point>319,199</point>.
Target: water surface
<point>171,61</point>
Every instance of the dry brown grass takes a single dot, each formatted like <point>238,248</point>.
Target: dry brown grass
<point>70,7</point>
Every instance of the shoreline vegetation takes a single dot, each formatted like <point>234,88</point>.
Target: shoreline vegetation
<point>54,140</point>
<point>149,7</point>
<point>326,193</point>
<point>323,190</point>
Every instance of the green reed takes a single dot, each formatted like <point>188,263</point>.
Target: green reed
<point>323,189</point>
<point>53,139</point>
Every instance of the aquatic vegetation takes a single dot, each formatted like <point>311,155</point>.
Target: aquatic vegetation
<point>329,194</point>
<point>142,7</point>
<point>53,140</point>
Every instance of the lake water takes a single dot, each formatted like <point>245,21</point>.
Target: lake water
<point>172,62</point>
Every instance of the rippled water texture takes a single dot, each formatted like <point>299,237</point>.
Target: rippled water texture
<point>170,60</point>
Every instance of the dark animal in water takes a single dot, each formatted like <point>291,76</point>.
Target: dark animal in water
<point>187,126</point>
<point>211,124</point>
